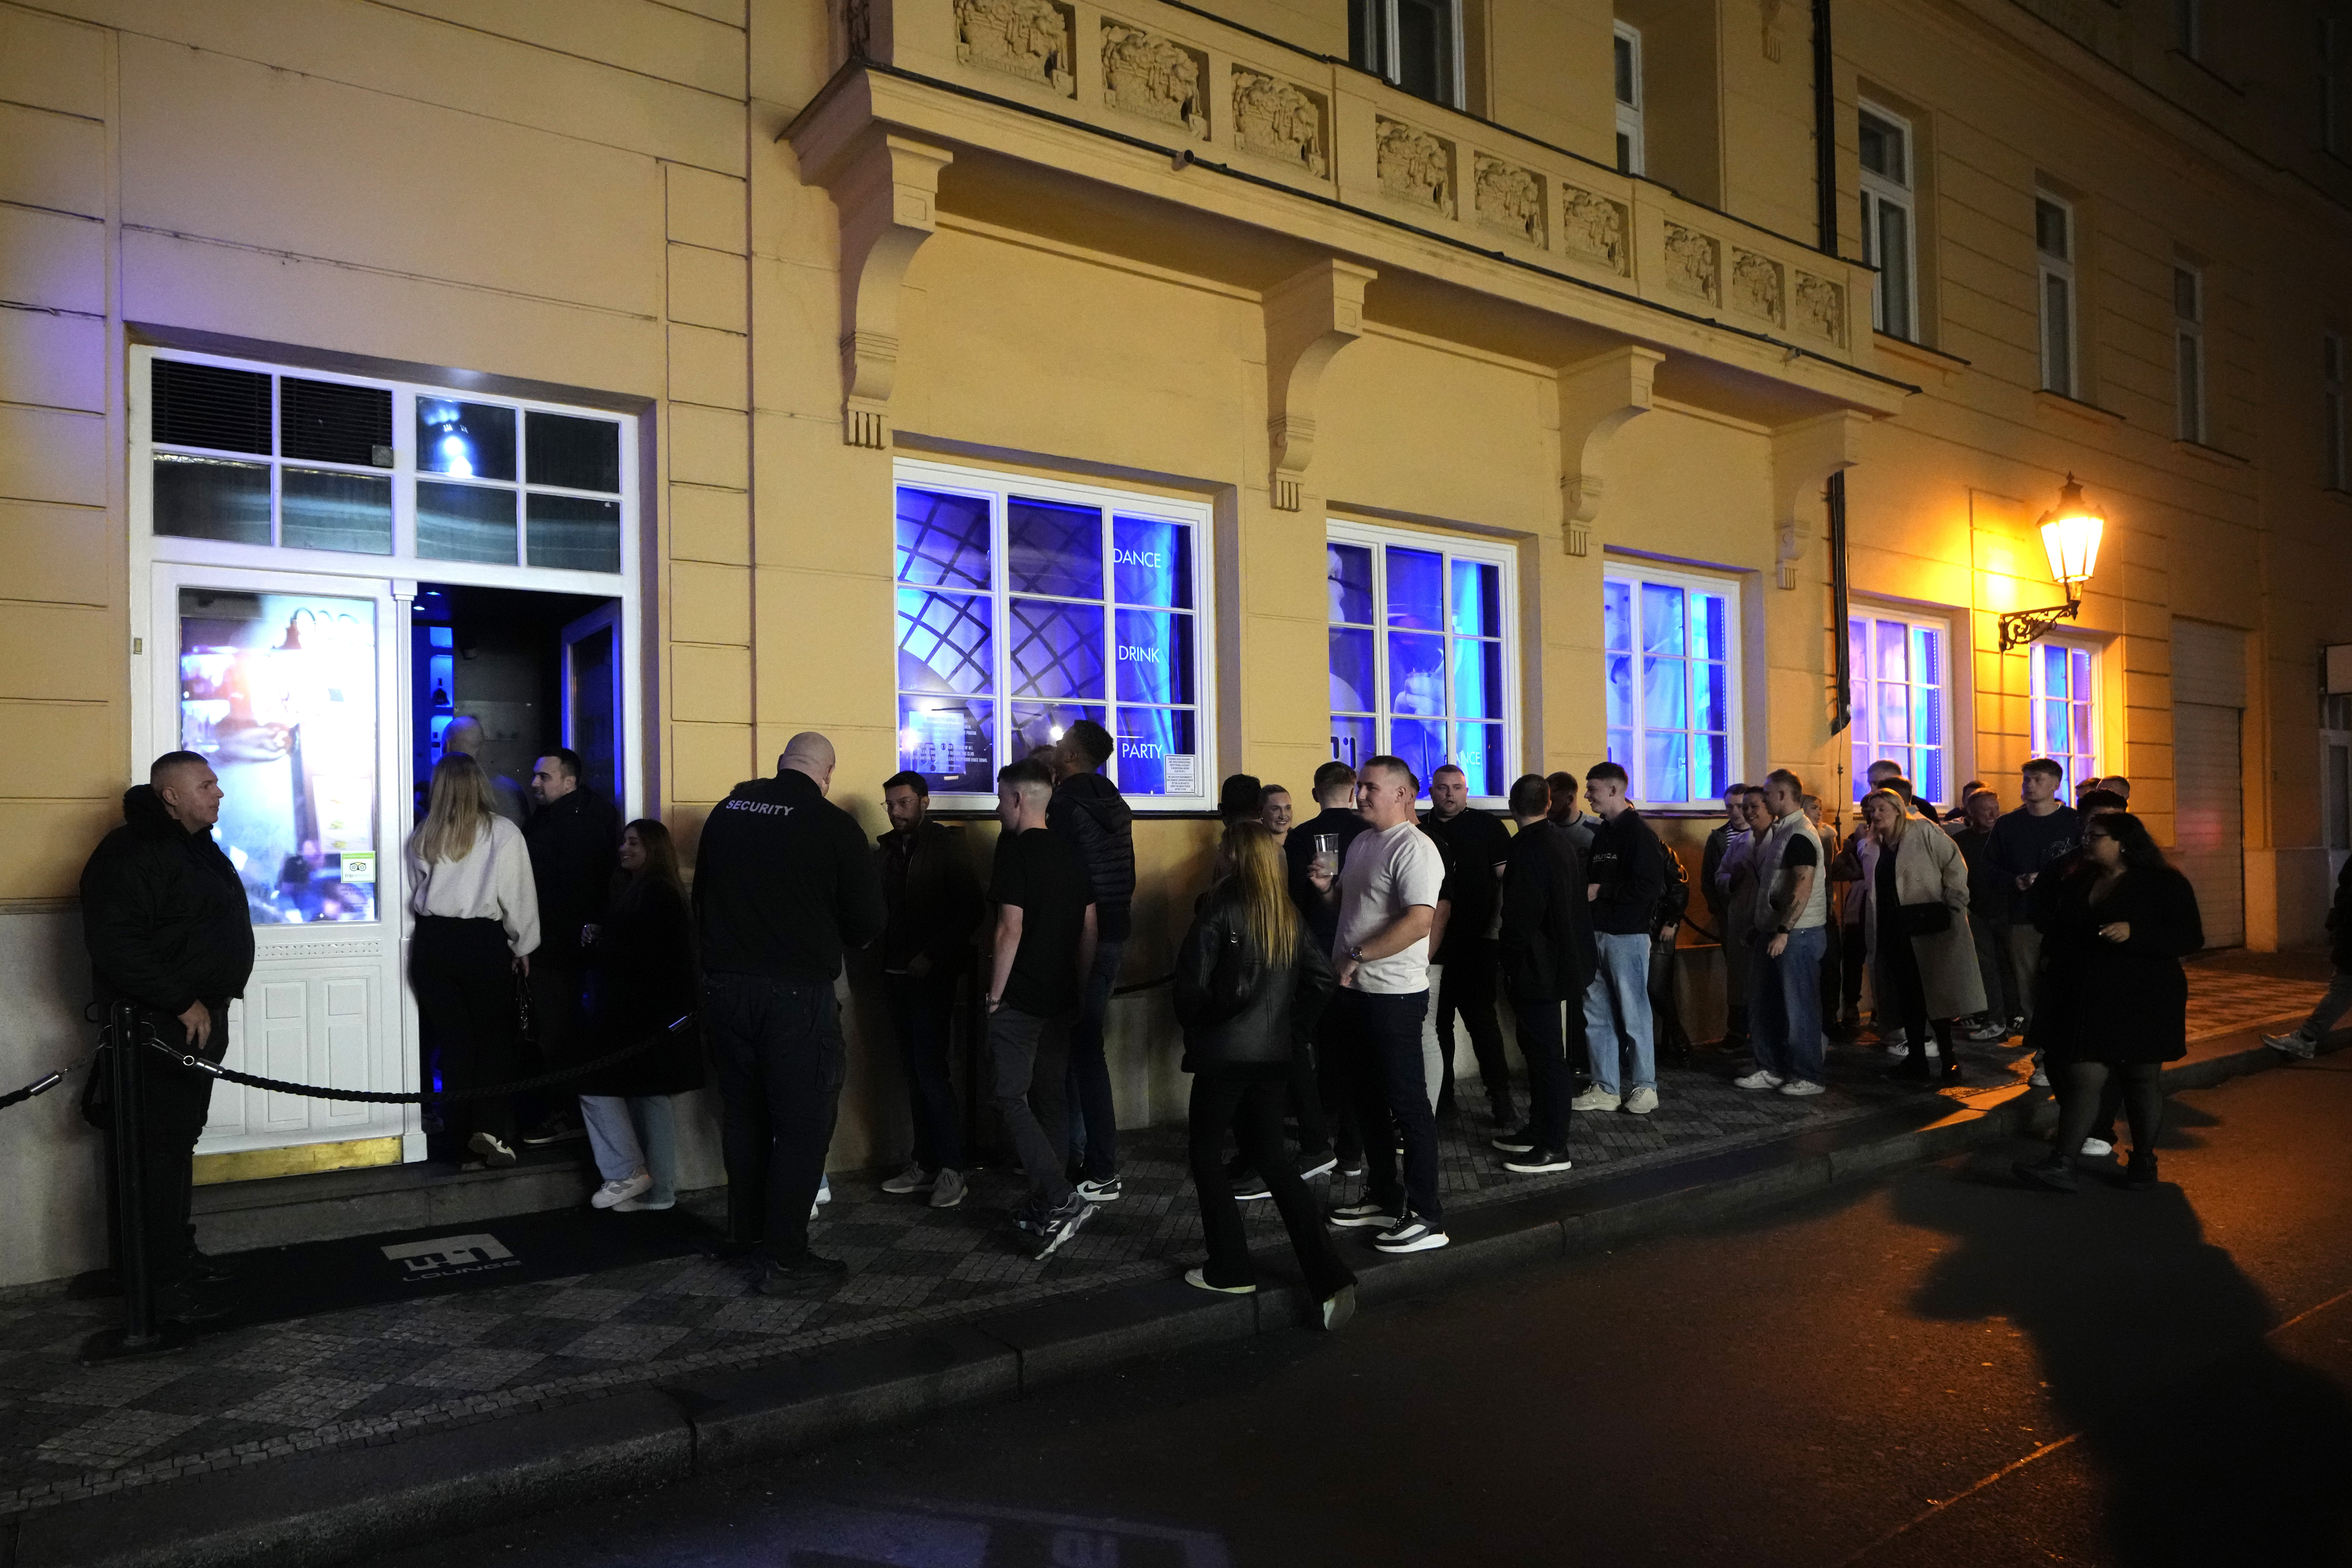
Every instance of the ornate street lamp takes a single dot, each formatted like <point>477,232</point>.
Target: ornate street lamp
<point>2070,535</point>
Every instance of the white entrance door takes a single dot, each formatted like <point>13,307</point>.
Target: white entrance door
<point>290,685</point>
<point>2209,700</point>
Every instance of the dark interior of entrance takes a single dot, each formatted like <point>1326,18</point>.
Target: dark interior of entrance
<point>536,670</point>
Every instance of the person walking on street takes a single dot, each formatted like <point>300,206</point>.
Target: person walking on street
<point>783,881</point>
<point>1089,814</point>
<point>2304,1043</point>
<point>1789,926</point>
<point>2023,844</point>
<point>476,914</point>
<point>1919,926</point>
<point>1719,861</point>
<point>1249,984</point>
<point>574,835</point>
<point>1386,895</point>
<point>1466,961</point>
<point>641,955</point>
<point>2116,1006</point>
<point>168,930</point>
<point>933,902</point>
<point>1627,872</point>
<point>1046,921</point>
<point>1548,958</point>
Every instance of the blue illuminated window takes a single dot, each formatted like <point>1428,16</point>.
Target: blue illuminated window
<point>1421,653</point>
<point>1022,608</point>
<point>2065,707</point>
<point>1898,698</point>
<point>1673,682</point>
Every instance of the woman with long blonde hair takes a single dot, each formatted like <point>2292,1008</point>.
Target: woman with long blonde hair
<point>476,914</point>
<point>1250,982</point>
<point>1918,929</point>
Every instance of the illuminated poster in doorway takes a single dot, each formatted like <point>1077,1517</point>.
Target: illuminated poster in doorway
<point>278,692</point>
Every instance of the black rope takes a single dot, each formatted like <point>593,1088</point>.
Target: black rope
<point>195,1063</point>
<point>47,1082</point>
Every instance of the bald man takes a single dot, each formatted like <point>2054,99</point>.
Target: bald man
<point>465,736</point>
<point>783,881</point>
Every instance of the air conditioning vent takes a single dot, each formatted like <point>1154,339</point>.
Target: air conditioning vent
<point>333,423</point>
<point>207,405</point>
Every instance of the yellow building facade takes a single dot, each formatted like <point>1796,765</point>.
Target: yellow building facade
<point>1263,379</point>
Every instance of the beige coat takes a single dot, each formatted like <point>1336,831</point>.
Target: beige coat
<point>1929,869</point>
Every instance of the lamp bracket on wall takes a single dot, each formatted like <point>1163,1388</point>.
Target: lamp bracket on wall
<point>2020,628</point>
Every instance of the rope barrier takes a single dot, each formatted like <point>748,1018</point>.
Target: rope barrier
<point>195,1063</point>
<point>47,1082</point>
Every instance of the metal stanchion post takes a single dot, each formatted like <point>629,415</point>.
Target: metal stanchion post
<point>142,1332</point>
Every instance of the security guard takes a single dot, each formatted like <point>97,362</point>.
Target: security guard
<point>783,880</point>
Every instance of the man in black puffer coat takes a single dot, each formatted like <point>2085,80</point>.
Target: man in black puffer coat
<point>1092,817</point>
<point>165,921</point>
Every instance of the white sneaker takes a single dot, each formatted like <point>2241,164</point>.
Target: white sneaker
<point>612,1193</point>
<point>1595,1099</point>
<point>1199,1280</point>
<point>1798,1088</point>
<point>913,1179</point>
<point>643,1205</point>
<point>1642,1102</point>
<point>1411,1234</point>
<point>1759,1079</point>
<point>2039,1080</point>
<point>2095,1147</point>
<point>823,1195</point>
<point>948,1190</point>
<point>1898,1050</point>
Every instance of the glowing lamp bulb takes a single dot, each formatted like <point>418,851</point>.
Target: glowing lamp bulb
<point>2070,536</point>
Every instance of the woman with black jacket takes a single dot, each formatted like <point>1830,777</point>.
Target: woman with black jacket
<point>642,960</point>
<point>1250,983</point>
<point>2114,1000</point>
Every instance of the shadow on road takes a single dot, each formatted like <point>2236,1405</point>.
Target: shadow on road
<point>2215,1447</point>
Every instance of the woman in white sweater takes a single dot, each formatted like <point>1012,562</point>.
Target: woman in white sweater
<point>477,925</point>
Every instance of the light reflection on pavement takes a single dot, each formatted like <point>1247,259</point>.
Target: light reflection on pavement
<point>897,1533</point>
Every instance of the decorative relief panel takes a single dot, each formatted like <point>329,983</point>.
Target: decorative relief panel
<point>1593,228</point>
<point>1155,78</point>
<point>1033,39</point>
<point>1757,285</point>
<point>1416,167</point>
<point>1509,199</point>
<point>1272,119</point>
<point>1821,308</point>
<point>1694,263</point>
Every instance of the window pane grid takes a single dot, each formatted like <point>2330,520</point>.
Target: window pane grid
<point>1418,659</point>
<point>2063,703</point>
<point>1671,693</point>
<point>1897,699</point>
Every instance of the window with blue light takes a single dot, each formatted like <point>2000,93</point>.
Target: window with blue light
<point>1672,674</point>
<point>1421,653</point>
<point>1022,608</point>
<point>2065,708</point>
<point>1898,701</point>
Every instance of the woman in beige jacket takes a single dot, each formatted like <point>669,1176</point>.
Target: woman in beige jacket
<point>1916,922</point>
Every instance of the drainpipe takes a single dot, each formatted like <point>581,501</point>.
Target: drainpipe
<point>1825,196</point>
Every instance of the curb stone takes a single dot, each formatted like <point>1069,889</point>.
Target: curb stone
<point>328,1507</point>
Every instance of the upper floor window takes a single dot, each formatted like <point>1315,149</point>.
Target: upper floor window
<point>1024,606</point>
<point>2189,350</point>
<point>2331,405</point>
<point>1900,712</point>
<point>248,454</point>
<point>1887,227</point>
<point>1416,44</point>
<point>1628,52</point>
<point>1673,680</point>
<point>1423,653</point>
<point>2053,245</point>
<point>2065,709</point>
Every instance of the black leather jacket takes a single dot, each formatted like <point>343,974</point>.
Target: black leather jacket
<point>164,914</point>
<point>1236,1010</point>
<point>1087,810</point>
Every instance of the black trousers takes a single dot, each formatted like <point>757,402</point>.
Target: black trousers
<point>1466,988</point>
<point>2085,1089</point>
<point>1380,1039</point>
<point>923,1009</point>
<point>176,1103</point>
<point>1900,967</point>
<point>1331,1084</point>
<point>1246,1100</point>
<point>1853,954</point>
<point>1667,1035</point>
<point>463,976</point>
<point>780,1053</point>
<point>1550,1084</point>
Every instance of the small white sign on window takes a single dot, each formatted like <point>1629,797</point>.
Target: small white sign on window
<point>359,866</point>
<point>1182,774</point>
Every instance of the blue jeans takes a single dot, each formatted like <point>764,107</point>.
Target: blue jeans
<point>639,1132</point>
<point>1617,1011</point>
<point>1784,1005</point>
<point>1094,1119</point>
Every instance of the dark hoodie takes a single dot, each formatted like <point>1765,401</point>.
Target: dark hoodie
<point>1092,817</point>
<point>163,913</point>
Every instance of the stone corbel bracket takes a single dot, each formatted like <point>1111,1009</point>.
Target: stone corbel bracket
<point>1804,456</point>
<point>1596,396</point>
<point>1308,320</point>
<point>886,187</point>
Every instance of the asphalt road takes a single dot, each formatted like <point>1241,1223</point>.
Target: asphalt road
<point>1938,1369</point>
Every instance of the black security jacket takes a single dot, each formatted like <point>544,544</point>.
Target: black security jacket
<point>163,913</point>
<point>1236,1010</point>
<point>1089,812</point>
<point>783,880</point>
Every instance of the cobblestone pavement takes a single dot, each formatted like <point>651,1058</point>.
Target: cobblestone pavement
<point>373,1373</point>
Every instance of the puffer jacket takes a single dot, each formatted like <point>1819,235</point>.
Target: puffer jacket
<point>1089,812</point>
<point>163,913</point>
<point>1236,1010</point>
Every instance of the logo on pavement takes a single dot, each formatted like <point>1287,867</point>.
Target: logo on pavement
<point>447,1256</point>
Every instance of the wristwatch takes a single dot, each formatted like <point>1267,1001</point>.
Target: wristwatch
<point>1355,953</point>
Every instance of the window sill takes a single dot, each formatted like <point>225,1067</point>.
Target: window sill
<point>2089,413</point>
<point>2213,455</point>
<point>1947,366</point>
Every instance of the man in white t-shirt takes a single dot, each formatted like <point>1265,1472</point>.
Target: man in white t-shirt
<point>1387,897</point>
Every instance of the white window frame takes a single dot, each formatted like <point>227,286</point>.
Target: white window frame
<point>2188,349</point>
<point>1633,157</point>
<point>1387,45</point>
<point>999,486</point>
<point>1452,548</point>
<point>2332,370</point>
<point>1862,697</point>
<point>1891,193</point>
<point>2079,764</point>
<point>2055,276</point>
<point>1636,573</point>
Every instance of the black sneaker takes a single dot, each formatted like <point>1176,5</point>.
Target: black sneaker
<point>192,1302</point>
<point>1536,1162</point>
<point>805,1272</point>
<point>2140,1173</point>
<point>557,1129</point>
<point>208,1270</point>
<point>1411,1234</point>
<point>1062,1224</point>
<point>1250,1188</point>
<point>2052,1170</point>
<point>1313,1165</point>
<point>1362,1216</point>
<point>1520,1142</point>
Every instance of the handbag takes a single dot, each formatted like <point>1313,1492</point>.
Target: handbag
<point>1922,920</point>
